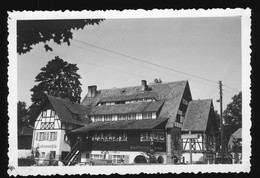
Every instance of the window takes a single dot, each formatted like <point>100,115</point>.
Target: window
<point>53,154</point>
<point>105,136</point>
<point>109,136</point>
<point>144,137</point>
<point>97,118</point>
<point>131,117</point>
<point>47,121</point>
<point>147,115</point>
<point>96,156</point>
<point>108,118</point>
<point>122,137</point>
<point>42,136</point>
<point>66,139</point>
<point>53,136</point>
<point>120,102</point>
<point>76,117</point>
<point>181,119</point>
<point>152,136</point>
<point>43,155</point>
<point>118,159</point>
<point>87,156</point>
<point>121,117</point>
<point>185,102</point>
<point>162,137</point>
<point>178,118</point>
<point>52,113</point>
<point>115,136</point>
<point>44,114</point>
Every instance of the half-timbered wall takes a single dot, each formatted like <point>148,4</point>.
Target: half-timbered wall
<point>49,136</point>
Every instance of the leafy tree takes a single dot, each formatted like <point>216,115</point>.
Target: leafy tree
<point>232,116</point>
<point>58,78</point>
<point>156,80</point>
<point>218,131</point>
<point>31,32</point>
<point>21,113</point>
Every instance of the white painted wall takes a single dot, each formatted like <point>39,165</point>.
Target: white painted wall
<point>198,145</point>
<point>24,153</point>
<point>195,157</point>
<point>131,154</point>
<point>46,146</point>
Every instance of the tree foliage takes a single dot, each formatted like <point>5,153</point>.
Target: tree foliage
<point>218,130</point>
<point>233,116</point>
<point>156,80</point>
<point>31,32</point>
<point>58,78</point>
<point>21,113</point>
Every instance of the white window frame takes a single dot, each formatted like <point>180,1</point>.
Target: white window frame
<point>108,118</point>
<point>116,159</point>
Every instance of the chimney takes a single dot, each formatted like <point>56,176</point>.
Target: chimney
<point>144,85</point>
<point>92,91</point>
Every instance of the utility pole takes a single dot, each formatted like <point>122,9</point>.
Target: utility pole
<point>221,118</point>
<point>190,147</point>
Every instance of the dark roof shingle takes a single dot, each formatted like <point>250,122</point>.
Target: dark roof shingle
<point>171,93</point>
<point>65,109</point>
<point>122,125</point>
<point>197,115</point>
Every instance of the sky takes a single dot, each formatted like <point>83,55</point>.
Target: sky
<point>109,55</point>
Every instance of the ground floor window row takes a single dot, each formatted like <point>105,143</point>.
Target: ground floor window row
<point>47,155</point>
<point>116,159</point>
<point>122,159</point>
<point>120,117</point>
<point>41,136</point>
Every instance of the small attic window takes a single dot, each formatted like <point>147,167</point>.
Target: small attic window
<point>76,117</point>
<point>123,91</point>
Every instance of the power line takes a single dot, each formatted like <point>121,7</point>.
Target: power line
<point>229,93</point>
<point>231,88</point>
<point>133,63</point>
<point>121,54</point>
<point>96,64</point>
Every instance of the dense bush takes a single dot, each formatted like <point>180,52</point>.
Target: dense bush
<point>26,161</point>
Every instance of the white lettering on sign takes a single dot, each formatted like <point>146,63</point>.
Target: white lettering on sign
<point>48,146</point>
<point>186,136</point>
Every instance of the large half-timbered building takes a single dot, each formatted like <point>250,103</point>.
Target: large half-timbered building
<point>124,125</point>
<point>198,132</point>
<point>54,119</point>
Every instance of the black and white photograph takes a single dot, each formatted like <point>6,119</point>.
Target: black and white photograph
<point>133,91</point>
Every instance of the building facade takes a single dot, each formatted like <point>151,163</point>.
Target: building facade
<point>235,146</point>
<point>130,125</point>
<point>53,120</point>
<point>198,133</point>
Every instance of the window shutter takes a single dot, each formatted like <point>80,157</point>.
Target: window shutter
<point>47,136</point>
<point>126,159</point>
<point>37,135</point>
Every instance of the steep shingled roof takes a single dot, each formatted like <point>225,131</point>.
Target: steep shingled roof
<point>197,115</point>
<point>126,108</point>
<point>237,134</point>
<point>65,109</point>
<point>171,93</point>
<point>123,125</point>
